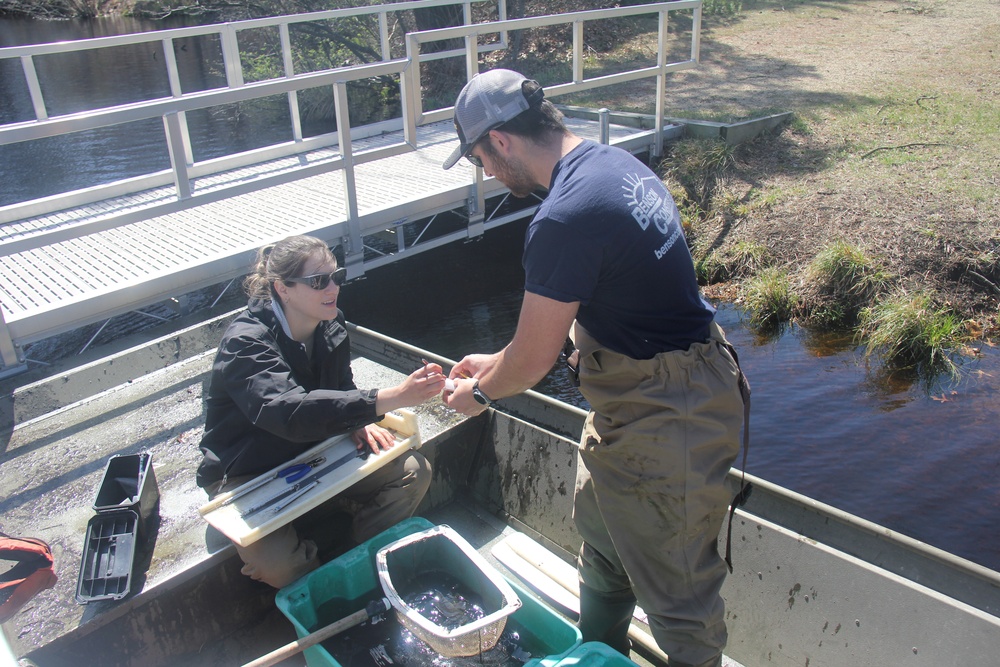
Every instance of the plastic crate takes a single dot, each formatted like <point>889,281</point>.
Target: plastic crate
<point>352,581</point>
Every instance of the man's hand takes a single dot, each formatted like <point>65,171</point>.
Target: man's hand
<point>474,366</point>
<point>461,399</point>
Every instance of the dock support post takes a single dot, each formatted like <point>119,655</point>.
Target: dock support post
<point>476,207</point>
<point>354,251</point>
<point>477,220</point>
<point>12,363</point>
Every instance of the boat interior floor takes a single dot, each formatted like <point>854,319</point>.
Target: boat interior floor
<point>482,530</point>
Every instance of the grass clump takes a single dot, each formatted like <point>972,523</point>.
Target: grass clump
<point>696,164</point>
<point>739,260</point>
<point>691,212</point>
<point>769,298</point>
<point>724,8</point>
<point>840,281</point>
<point>912,331</point>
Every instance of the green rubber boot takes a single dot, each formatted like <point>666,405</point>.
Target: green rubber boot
<point>606,617</point>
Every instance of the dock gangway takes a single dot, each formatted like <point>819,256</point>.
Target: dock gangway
<point>376,190</point>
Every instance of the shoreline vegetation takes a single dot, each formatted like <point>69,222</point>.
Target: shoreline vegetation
<point>875,211</point>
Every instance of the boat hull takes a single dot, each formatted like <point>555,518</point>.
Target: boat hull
<point>812,585</point>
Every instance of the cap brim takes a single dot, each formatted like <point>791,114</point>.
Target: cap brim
<point>455,156</point>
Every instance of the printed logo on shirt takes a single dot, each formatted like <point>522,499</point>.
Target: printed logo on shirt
<point>646,199</point>
<point>647,202</point>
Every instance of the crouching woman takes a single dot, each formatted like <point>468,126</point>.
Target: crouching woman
<point>282,382</point>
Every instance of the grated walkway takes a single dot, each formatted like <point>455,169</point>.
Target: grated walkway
<point>49,288</point>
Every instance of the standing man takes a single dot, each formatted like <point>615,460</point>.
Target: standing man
<point>606,262</point>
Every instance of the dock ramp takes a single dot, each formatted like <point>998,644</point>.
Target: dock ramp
<point>376,190</point>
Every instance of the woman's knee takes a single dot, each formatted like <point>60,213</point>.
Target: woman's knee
<point>279,558</point>
<point>417,472</point>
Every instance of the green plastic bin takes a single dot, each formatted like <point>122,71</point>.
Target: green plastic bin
<point>353,580</point>
<point>590,654</point>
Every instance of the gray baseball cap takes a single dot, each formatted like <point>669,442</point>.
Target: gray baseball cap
<point>486,102</point>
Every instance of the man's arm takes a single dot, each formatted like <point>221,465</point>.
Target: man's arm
<point>541,333</point>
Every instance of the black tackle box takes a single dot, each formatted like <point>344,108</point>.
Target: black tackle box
<point>127,506</point>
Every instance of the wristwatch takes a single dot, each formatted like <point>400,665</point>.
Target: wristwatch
<point>480,397</point>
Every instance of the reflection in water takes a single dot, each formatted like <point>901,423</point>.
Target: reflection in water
<point>441,599</point>
<point>388,643</point>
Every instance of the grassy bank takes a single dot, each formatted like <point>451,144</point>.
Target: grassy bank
<point>878,204</point>
<point>878,208</point>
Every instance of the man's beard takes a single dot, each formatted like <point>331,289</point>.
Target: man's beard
<point>513,174</point>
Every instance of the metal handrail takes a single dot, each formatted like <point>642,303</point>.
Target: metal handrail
<point>182,155</point>
<point>472,33</point>
<point>227,33</point>
<point>170,111</point>
<point>352,230</point>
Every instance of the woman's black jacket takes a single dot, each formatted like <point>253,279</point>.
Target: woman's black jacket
<point>268,402</point>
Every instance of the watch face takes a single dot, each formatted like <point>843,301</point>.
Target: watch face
<point>478,395</point>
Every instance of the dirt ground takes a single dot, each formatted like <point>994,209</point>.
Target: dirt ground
<point>895,146</point>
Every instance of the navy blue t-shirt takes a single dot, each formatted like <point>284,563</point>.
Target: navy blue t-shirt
<point>609,236</point>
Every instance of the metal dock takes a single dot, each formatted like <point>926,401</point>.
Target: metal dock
<point>378,191</point>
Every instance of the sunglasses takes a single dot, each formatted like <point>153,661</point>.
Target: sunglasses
<point>475,161</point>
<point>319,281</point>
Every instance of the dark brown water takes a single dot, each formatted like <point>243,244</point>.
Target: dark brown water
<point>923,461</point>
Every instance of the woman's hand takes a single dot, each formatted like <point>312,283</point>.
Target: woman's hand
<point>422,384</point>
<point>374,437</point>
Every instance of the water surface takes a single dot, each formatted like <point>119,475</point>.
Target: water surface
<point>825,423</point>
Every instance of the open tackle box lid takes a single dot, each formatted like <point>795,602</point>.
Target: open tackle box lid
<point>126,503</point>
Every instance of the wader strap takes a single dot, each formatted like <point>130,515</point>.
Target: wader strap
<point>745,488</point>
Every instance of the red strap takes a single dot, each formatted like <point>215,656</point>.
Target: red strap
<point>32,573</point>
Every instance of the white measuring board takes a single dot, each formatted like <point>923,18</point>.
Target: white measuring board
<point>228,515</point>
